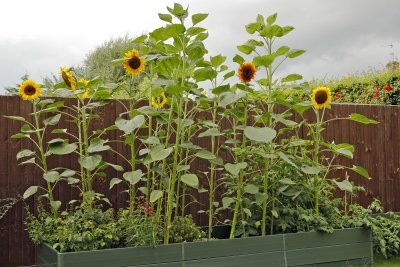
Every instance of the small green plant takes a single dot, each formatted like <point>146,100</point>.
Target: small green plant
<point>183,229</point>
<point>142,227</point>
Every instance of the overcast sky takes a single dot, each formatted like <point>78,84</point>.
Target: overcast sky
<point>340,36</point>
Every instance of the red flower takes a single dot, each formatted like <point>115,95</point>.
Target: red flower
<point>375,95</point>
<point>387,88</point>
<point>337,96</point>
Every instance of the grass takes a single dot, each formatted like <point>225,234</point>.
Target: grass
<point>382,262</point>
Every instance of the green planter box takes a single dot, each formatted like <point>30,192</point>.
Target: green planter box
<point>342,248</point>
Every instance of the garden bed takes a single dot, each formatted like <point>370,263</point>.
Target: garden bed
<point>345,246</point>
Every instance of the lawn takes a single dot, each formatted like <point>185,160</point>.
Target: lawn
<point>382,262</point>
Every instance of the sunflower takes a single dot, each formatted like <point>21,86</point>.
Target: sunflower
<point>29,90</point>
<point>246,72</point>
<point>84,83</point>
<point>133,63</point>
<point>156,104</point>
<point>321,97</point>
<point>68,78</point>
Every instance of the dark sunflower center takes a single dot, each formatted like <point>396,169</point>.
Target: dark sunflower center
<point>247,73</point>
<point>321,97</point>
<point>134,62</point>
<point>30,90</point>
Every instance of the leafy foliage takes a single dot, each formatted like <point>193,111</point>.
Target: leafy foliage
<point>183,229</point>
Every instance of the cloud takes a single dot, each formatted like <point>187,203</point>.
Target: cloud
<point>340,36</point>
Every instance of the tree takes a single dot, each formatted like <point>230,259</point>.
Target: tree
<point>98,62</point>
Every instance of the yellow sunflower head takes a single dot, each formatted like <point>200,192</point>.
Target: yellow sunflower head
<point>68,78</point>
<point>29,90</point>
<point>84,83</point>
<point>159,104</point>
<point>321,97</point>
<point>133,63</point>
<point>246,72</point>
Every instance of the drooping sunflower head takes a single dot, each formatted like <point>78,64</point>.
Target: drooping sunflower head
<point>321,97</point>
<point>133,63</point>
<point>84,83</point>
<point>29,90</point>
<point>246,72</point>
<point>68,78</point>
<point>160,101</point>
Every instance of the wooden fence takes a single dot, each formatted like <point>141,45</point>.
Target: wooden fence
<point>377,148</point>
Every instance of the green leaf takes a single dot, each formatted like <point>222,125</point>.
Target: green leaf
<point>223,88</point>
<point>16,118</point>
<point>227,76</point>
<point>164,33</point>
<point>97,145</point>
<point>205,154</point>
<point>72,181</point>
<point>210,132</point>
<point>251,189</point>
<point>262,135</point>
<point>51,176</point>
<point>286,158</point>
<point>128,126</point>
<point>291,78</point>
<point>253,27</point>
<point>30,191</point>
<point>295,53</point>
<point>345,185</point>
<point>165,17</point>
<point>133,177</point>
<point>203,74</point>
<point>59,131</point>
<point>159,153</point>
<point>217,60</point>
<point>344,152</point>
<point>238,59</point>
<point>192,31</point>
<point>287,181</point>
<point>265,61</point>
<point>118,168</point>
<point>246,49</point>
<point>274,213</point>
<point>360,170</point>
<point>90,162</point>
<point>155,195</point>
<point>311,170</point>
<point>197,18</point>
<point>261,198</point>
<point>53,120</point>
<point>19,136</point>
<point>139,40</point>
<point>271,31</point>
<point>281,51</point>
<point>62,148</point>
<point>55,205</point>
<point>25,153</point>
<point>114,181</point>
<point>361,119</point>
<point>191,180</point>
<point>68,173</point>
<point>272,18</point>
<point>235,168</point>
<point>227,201</point>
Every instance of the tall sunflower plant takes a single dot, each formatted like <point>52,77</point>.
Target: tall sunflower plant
<point>87,145</point>
<point>45,114</point>
<point>319,156</point>
<point>260,130</point>
<point>166,150</point>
